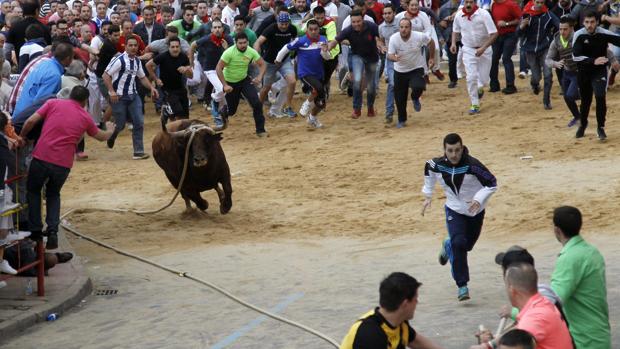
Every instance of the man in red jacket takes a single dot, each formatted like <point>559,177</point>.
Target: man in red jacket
<point>506,15</point>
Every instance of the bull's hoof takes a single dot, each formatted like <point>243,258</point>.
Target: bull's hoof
<point>202,206</point>
<point>224,209</point>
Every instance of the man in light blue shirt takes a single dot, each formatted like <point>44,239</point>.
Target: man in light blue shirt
<point>45,80</point>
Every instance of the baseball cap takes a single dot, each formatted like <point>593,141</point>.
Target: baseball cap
<point>284,18</point>
<point>514,254</point>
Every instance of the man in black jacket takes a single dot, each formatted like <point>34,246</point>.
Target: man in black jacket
<point>590,52</point>
<point>149,30</point>
<point>17,34</point>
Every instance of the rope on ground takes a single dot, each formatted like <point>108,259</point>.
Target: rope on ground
<point>198,280</point>
<point>178,272</point>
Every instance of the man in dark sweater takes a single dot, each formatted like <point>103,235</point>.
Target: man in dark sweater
<point>17,34</point>
<point>590,52</point>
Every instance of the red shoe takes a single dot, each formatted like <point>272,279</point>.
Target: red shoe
<point>439,75</point>
<point>371,112</point>
<point>356,113</point>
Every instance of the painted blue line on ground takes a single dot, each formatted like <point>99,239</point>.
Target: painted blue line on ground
<point>254,323</point>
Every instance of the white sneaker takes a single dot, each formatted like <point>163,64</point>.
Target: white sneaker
<point>17,235</point>
<point>130,127</point>
<point>271,97</point>
<point>277,114</point>
<point>305,108</point>
<point>6,268</point>
<point>314,122</point>
<point>2,284</point>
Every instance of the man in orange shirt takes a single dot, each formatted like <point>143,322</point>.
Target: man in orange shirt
<point>537,315</point>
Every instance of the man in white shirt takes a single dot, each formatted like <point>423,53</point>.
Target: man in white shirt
<point>478,32</point>
<point>406,51</point>
<point>331,10</point>
<point>230,12</point>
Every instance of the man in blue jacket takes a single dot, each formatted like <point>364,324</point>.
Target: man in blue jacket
<point>536,29</point>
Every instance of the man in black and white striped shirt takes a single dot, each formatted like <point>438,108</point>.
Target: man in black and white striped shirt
<point>120,79</point>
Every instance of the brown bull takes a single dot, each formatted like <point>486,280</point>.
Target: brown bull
<point>206,168</point>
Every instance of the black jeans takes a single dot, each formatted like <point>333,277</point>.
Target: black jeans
<point>503,47</point>
<point>250,94</point>
<point>453,61</point>
<point>53,177</point>
<point>464,231</point>
<point>592,83</point>
<point>402,82</point>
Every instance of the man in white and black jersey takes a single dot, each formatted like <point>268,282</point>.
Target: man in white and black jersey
<point>468,185</point>
<point>120,79</point>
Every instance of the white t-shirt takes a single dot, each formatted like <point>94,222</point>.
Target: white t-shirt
<point>331,10</point>
<point>228,16</point>
<point>347,21</point>
<point>409,52</point>
<point>476,31</point>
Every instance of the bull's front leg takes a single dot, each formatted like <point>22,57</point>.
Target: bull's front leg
<point>201,203</point>
<point>225,195</point>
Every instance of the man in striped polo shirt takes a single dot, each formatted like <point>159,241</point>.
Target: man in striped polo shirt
<point>120,79</point>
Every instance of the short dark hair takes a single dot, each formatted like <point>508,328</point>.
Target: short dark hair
<point>167,9</point>
<point>518,337</point>
<point>125,21</point>
<point>522,276</point>
<point>389,5</point>
<point>281,8</point>
<point>588,14</point>
<point>79,94</point>
<point>239,18</point>
<point>360,3</point>
<point>113,28</point>
<point>172,29</point>
<point>187,8</point>
<point>62,21</point>
<point>355,13</point>
<point>452,138</point>
<point>396,288</point>
<point>312,21</point>
<point>148,8</point>
<point>216,20</point>
<point>568,219</point>
<point>131,38</point>
<point>241,36</point>
<point>176,38</point>
<point>30,7</point>
<point>63,51</point>
<point>34,31</point>
<point>568,20</point>
<point>318,10</point>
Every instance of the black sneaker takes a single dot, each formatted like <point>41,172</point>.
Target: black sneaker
<point>536,89</point>
<point>580,132</point>
<point>140,156</point>
<point>452,84</point>
<point>494,88</point>
<point>547,106</point>
<point>600,131</point>
<point>508,90</point>
<point>110,142</point>
<point>52,242</point>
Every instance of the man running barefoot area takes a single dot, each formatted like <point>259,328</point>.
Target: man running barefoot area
<point>468,185</point>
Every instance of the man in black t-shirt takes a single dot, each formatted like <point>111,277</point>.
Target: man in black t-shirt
<point>387,326</point>
<point>17,33</point>
<point>271,41</point>
<point>362,36</point>
<point>105,55</point>
<point>173,65</point>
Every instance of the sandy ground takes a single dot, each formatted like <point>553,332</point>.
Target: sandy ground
<point>329,212</point>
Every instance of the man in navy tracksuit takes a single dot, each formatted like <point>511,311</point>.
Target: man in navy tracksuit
<point>468,185</point>
<point>590,52</point>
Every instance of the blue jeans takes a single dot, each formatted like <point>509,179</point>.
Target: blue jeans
<point>536,61</point>
<point>570,89</point>
<point>130,106</point>
<point>361,67</point>
<point>464,232</point>
<point>389,98</point>
<point>53,177</point>
<point>503,47</point>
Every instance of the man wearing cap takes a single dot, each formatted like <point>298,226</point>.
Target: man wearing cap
<point>579,280</point>
<point>271,42</point>
<point>468,185</point>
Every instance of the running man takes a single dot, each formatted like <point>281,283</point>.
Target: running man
<point>590,53</point>
<point>232,70</point>
<point>387,326</point>
<point>478,33</point>
<point>406,50</point>
<point>468,185</point>
<point>173,66</point>
<point>311,51</point>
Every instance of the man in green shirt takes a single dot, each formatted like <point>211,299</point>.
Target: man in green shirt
<point>579,281</point>
<point>241,27</point>
<point>232,70</point>
<point>186,24</point>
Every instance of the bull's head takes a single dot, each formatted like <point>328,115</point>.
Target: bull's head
<point>204,142</point>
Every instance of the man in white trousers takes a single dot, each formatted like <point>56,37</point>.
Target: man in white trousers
<point>210,49</point>
<point>477,34</point>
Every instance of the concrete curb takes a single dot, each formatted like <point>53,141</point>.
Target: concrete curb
<point>59,298</point>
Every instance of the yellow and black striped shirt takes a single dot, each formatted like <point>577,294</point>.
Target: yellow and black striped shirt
<point>372,331</point>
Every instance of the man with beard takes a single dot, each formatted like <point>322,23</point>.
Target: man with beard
<point>186,24</point>
<point>148,29</point>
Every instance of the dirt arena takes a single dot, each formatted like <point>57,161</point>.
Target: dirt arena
<point>331,211</point>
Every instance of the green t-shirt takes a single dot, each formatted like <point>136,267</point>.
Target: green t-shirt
<point>237,62</point>
<point>250,33</point>
<point>579,281</point>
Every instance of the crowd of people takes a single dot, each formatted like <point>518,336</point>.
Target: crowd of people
<point>70,68</point>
